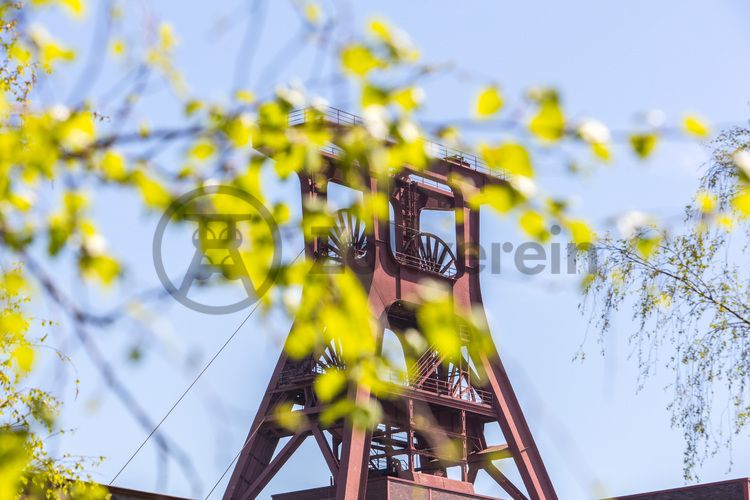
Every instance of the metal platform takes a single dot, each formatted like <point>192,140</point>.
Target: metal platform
<point>735,489</point>
<point>421,487</point>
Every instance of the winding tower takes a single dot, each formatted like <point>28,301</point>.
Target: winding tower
<point>458,398</point>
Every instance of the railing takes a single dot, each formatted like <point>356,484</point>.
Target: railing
<point>308,369</point>
<point>450,389</point>
<point>432,149</point>
<point>429,182</point>
<point>444,388</point>
<point>302,370</point>
<point>329,114</point>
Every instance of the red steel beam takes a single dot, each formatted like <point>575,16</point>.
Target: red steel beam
<point>271,469</point>
<point>333,464</point>
<point>351,482</point>
<point>516,431</point>
<point>504,482</point>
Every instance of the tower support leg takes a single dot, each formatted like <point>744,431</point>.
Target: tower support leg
<point>516,431</point>
<point>351,483</point>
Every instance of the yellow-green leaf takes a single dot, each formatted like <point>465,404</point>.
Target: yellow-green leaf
<point>549,123</point>
<point>113,166</point>
<point>76,7</point>
<point>239,131</point>
<point>19,53</point>
<point>643,144</point>
<point>288,418</point>
<point>580,232</point>
<point>511,157</point>
<point>696,126</point>
<point>12,282</point>
<point>313,12</point>
<point>16,455</point>
<point>409,98</point>
<point>488,102</point>
<point>329,384</point>
<point>533,224</point>
<point>192,107</point>
<point>24,356</point>
<point>706,201</point>
<point>117,47</point>
<point>725,221</point>
<point>646,245</point>
<point>741,202</point>
<point>154,194</point>
<point>100,267</point>
<point>501,197</point>
<point>202,150</point>
<point>78,131</point>
<point>13,323</point>
<point>167,38</point>
<point>244,96</point>
<point>439,323</point>
<point>601,150</point>
<point>359,60</point>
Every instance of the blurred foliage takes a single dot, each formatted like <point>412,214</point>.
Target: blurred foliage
<point>53,159</point>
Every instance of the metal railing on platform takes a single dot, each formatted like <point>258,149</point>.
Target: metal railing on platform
<point>443,388</point>
<point>305,371</point>
<point>432,149</point>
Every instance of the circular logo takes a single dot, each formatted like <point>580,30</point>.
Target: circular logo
<point>235,236</point>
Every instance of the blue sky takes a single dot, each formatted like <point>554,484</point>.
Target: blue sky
<point>597,434</point>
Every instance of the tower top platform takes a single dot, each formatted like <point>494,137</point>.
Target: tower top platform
<point>437,151</point>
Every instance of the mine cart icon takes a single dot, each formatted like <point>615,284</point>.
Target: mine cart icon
<point>218,246</point>
<point>209,246</point>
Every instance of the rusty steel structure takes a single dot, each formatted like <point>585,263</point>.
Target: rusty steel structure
<point>459,395</point>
